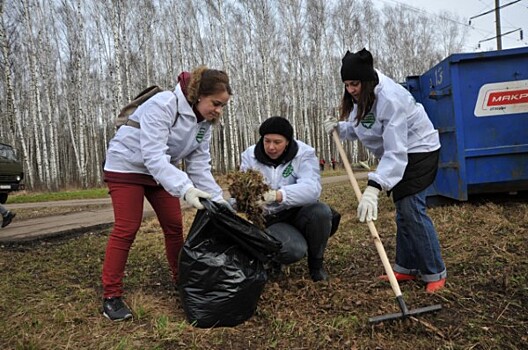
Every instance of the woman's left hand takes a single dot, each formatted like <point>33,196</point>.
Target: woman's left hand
<point>268,197</point>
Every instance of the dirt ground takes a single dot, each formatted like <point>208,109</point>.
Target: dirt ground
<point>51,295</point>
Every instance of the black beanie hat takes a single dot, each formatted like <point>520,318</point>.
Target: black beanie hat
<point>277,125</point>
<point>358,66</point>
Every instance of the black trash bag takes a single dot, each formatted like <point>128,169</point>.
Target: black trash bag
<point>222,268</point>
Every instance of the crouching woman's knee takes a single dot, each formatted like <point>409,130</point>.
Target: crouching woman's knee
<point>294,246</point>
<point>319,211</point>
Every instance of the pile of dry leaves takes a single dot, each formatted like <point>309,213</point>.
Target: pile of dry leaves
<point>247,188</point>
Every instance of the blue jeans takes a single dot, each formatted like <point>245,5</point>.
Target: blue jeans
<point>417,246</point>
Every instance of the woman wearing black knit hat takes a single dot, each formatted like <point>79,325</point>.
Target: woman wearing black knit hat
<point>384,116</point>
<point>293,213</point>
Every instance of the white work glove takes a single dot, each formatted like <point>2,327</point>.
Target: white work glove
<point>193,195</point>
<point>330,124</point>
<point>268,197</point>
<point>368,205</point>
<point>222,202</point>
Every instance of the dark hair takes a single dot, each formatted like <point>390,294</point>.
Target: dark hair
<point>365,103</point>
<point>206,82</point>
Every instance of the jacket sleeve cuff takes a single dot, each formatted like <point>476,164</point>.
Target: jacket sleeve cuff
<point>374,184</point>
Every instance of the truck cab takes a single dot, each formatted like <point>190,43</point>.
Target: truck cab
<point>11,171</point>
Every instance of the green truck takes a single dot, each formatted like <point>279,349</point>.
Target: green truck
<point>11,171</point>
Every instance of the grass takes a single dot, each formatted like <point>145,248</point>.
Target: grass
<point>32,197</point>
<point>51,290</point>
<point>102,192</point>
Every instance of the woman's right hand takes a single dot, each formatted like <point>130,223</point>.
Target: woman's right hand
<point>193,195</point>
<point>330,124</point>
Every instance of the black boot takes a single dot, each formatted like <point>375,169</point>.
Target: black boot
<point>7,218</point>
<point>317,271</point>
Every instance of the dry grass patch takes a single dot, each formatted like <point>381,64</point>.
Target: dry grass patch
<point>51,291</point>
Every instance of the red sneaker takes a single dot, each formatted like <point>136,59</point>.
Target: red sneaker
<point>400,277</point>
<point>435,286</point>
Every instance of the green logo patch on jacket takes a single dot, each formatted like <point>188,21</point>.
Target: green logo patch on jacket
<point>288,171</point>
<point>368,120</point>
<point>200,135</point>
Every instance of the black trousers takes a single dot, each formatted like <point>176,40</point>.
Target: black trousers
<point>302,231</point>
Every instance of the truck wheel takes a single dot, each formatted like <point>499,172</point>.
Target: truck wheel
<point>3,198</point>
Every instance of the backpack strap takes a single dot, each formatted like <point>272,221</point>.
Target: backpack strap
<point>136,125</point>
<point>130,108</point>
<point>177,113</point>
<point>132,123</point>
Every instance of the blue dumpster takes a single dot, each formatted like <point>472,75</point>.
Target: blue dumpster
<point>479,104</point>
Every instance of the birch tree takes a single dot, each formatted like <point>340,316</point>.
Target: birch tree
<point>117,14</point>
<point>41,144</point>
<point>49,57</point>
<point>11,113</point>
<point>262,16</point>
<point>316,18</point>
<point>68,66</point>
<point>291,14</point>
<point>450,35</point>
<point>231,148</point>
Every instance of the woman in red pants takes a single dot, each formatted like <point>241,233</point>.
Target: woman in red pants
<point>141,162</point>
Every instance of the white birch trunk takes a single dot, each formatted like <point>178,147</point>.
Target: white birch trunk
<point>80,97</point>
<point>34,96</point>
<point>73,139</point>
<point>50,154</point>
<point>12,104</point>
<point>118,85</point>
<point>52,183</point>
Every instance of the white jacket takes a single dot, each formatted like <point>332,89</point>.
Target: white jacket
<point>299,180</point>
<point>160,144</point>
<point>398,125</point>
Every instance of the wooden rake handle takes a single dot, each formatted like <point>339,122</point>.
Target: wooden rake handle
<point>374,233</point>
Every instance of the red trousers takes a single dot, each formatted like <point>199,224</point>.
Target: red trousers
<point>127,200</point>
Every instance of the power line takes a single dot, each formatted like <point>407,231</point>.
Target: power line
<point>492,10</point>
<point>498,28</point>
<point>509,24</point>
<point>423,11</point>
<point>511,31</point>
<point>478,31</point>
<point>482,31</point>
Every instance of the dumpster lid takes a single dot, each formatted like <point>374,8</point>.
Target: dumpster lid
<point>458,57</point>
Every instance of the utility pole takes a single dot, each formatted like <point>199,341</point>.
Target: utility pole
<point>498,24</point>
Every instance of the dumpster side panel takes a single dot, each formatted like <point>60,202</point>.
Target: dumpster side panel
<point>496,142</point>
<point>479,104</point>
<point>435,94</point>
<point>499,169</point>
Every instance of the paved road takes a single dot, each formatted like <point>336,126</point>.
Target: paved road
<point>86,220</point>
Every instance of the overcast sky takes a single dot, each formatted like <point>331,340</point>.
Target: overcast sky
<point>512,17</point>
